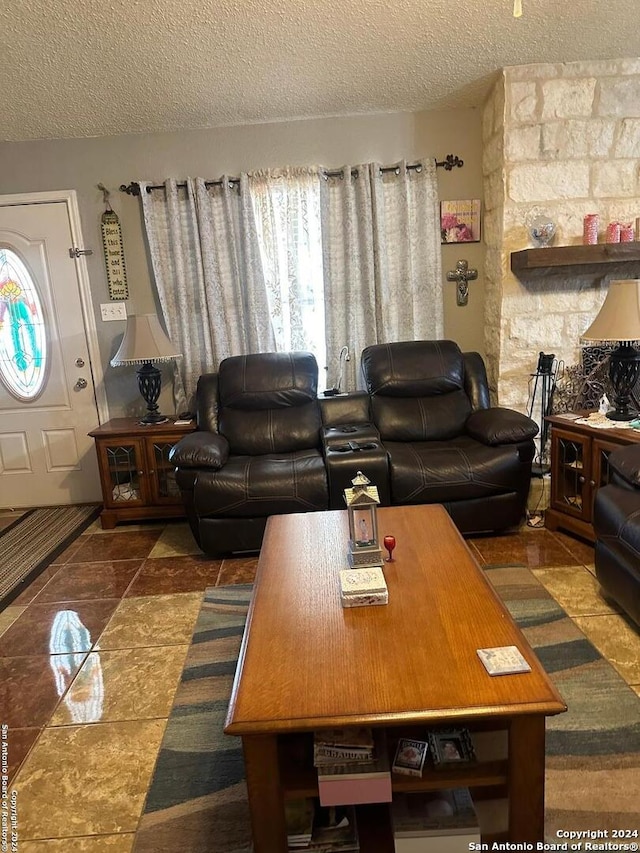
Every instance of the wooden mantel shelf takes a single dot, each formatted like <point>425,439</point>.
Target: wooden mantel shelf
<point>564,256</point>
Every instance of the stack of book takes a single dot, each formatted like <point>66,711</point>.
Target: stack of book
<point>320,830</point>
<point>353,766</point>
<point>340,745</point>
<point>359,587</point>
<point>442,821</point>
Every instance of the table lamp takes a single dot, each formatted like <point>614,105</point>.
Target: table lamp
<point>144,342</point>
<point>619,320</point>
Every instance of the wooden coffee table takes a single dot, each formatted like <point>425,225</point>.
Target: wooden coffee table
<point>306,663</point>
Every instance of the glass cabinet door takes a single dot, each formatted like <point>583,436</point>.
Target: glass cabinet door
<point>570,482</point>
<point>124,463</point>
<point>162,472</point>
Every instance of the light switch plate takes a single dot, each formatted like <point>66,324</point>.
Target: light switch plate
<point>113,311</point>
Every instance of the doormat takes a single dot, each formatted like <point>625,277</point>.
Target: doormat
<point>35,540</point>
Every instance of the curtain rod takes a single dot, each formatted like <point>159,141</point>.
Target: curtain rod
<point>450,162</point>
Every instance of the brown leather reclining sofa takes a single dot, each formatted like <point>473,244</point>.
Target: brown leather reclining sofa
<point>423,432</point>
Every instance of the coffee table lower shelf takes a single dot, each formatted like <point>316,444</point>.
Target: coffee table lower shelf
<point>488,780</point>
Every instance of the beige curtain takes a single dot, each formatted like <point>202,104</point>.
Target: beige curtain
<point>382,261</point>
<point>287,211</point>
<point>208,273</point>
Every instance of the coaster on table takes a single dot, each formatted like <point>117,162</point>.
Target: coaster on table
<point>503,660</point>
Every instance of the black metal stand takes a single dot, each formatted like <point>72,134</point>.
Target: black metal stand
<point>545,379</point>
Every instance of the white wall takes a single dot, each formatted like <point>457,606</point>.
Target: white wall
<point>81,164</point>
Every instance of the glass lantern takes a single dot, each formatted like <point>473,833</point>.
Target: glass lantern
<point>362,501</point>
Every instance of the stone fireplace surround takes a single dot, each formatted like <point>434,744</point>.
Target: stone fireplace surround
<point>563,139</point>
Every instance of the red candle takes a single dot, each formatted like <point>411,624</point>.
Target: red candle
<point>613,232</point>
<point>389,543</point>
<point>590,229</point>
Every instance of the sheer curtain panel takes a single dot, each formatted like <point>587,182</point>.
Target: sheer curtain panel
<point>287,208</point>
<point>381,256</point>
<point>208,273</point>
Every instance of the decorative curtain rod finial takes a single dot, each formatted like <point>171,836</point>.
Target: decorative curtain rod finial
<point>130,189</point>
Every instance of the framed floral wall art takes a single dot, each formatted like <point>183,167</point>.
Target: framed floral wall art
<point>460,221</point>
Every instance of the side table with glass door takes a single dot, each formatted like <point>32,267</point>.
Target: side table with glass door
<point>137,478</point>
<point>579,466</point>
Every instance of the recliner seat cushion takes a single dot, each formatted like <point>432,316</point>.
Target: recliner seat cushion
<point>258,486</point>
<point>459,469</point>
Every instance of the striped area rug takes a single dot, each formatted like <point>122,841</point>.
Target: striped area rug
<point>593,750</point>
<point>35,540</point>
<point>197,799</point>
<point>197,802</point>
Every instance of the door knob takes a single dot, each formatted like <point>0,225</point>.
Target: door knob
<point>79,362</point>
<point>80,384</point>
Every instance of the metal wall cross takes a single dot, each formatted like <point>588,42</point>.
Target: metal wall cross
<point>462,275</point>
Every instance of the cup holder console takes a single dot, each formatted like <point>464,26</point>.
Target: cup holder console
<point>349,448</point>
<point>353,447</point>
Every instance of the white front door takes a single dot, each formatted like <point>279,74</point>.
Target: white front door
<point>47,396</point>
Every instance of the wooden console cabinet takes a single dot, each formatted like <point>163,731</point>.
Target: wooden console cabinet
<point>137,479</point>
<point>579,466</point>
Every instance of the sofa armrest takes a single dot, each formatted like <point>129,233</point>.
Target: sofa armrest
<point>500,426</point>
<point>624,463</point>
<point>200,450</point>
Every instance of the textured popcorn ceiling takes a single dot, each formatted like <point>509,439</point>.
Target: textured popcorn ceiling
<point>72,68</point>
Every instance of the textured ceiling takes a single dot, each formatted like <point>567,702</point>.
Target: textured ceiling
<point>73,68</point>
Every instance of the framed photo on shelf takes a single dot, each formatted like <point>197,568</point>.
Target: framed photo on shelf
<point>451,746</point>
<point>460,221</point>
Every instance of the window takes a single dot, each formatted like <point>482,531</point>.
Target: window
<point>287,213</point>
<point>23,339</point>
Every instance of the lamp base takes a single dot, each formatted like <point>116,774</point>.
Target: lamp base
<point>154,418</point>
<point>628,415</point>
<point>624,369</point>
<point>149,386</point>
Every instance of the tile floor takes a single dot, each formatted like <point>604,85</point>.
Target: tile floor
<point>91,654</point>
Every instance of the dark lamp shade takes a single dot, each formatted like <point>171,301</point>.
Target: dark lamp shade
<point>144,340</point>
<point>619,316</point>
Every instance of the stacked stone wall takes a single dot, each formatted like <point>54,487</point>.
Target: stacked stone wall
<point>563,140</point>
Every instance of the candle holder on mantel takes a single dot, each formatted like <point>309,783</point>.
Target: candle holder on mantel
<point>362,501</point>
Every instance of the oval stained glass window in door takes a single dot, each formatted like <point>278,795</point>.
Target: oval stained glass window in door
<point>23,339</point>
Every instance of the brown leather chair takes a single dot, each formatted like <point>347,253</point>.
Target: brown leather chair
<point>616,521</point>
<point>257,450</point>
<point>445,444</point>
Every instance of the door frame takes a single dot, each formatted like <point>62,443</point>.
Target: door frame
<point>70,199</point>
